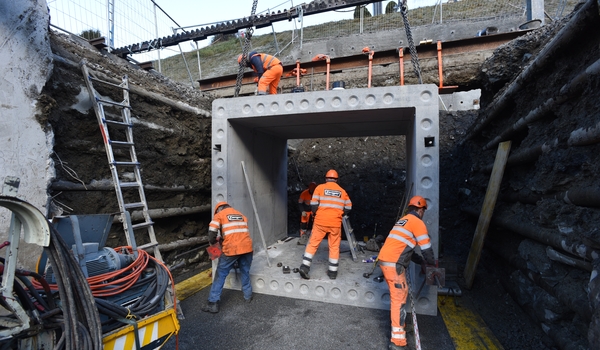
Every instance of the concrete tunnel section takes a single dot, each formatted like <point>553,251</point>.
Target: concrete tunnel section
<point>254,131</point>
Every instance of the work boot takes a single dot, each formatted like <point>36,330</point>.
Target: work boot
<point>249,300</point>
<point>393,346</point>
<point>304,272</point>
<point>213,308</point>
<point>332,274</point>
<point>303,239</point>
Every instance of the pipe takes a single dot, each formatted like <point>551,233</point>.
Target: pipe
<point>567,260</point>
<point>167,247</point>
<point>138,215</point>
<point>142,92</point>
<point>572,88</point>
<point>561,40</point>
<point>525,156</point>
<point>585,136</point>
<point>106,185</point>
<point>548,237</point>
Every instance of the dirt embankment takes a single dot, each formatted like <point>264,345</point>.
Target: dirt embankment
<point>548,194</point>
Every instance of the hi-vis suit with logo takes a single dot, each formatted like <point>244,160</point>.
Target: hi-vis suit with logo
<point>269,70</point>
<point>234,230</point>
<point>329,202</point>
<point>394,257</point>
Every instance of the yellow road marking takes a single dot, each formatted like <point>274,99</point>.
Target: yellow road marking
<point>192,285</point>
<point>467,329</point>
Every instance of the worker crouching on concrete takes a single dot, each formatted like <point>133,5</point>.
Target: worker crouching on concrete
<point>395,256</point>
<point>329,202</point>
<point>237,247</point>
<point>305,212</point>
<point>268,68</point>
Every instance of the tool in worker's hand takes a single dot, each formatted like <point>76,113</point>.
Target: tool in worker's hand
<point>368,274</point>
<point>214,251</point>
<point>435,276</point>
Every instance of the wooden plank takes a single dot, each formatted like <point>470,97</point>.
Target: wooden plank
<point>467,329</point>
<point>194,284</point>
<point>486,212</point>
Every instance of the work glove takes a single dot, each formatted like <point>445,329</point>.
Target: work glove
<point>399,269</point>
<point>256,79</point>
<point>304,214</point>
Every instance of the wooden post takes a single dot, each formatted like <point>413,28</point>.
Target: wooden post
<point>486,212</point>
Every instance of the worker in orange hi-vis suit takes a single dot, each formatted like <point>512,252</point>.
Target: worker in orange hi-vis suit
<point>237,248</point>
<point>306,213</point>
<point>268,68</point>
<point>395,256</point>
<point>329,203</point>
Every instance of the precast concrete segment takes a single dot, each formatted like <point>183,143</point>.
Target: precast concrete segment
<point>349,288</point>
<point>256,129</point>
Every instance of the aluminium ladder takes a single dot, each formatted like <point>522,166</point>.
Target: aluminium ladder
<point>120,123</point>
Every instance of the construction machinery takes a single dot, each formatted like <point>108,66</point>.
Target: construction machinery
<point>82,294</point>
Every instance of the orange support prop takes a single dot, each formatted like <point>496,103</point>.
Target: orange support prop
<point>366,50</point>
<point>439,51</point>
<point>321,57</point>
<point>401,63</point>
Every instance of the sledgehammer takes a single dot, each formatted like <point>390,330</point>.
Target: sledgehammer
<point>368,274</point>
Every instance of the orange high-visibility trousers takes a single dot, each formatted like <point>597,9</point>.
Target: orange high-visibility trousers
<point>398,294</point>
<point>270,80</point>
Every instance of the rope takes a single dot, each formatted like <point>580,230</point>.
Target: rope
<point>245,49</point>
<point>411,44</point>
<point>413,312</point>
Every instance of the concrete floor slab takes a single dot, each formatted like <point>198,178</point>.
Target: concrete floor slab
<point>350,287</point>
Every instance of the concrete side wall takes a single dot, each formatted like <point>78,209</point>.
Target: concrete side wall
<point>25,63</point>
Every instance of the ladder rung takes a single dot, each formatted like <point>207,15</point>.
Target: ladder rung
<point>109,83</point>
<point>134,205</point>
<point>118,104</point>
<point>126,163</point>
<point>148,245</point>
<point>116,123</point>
<point>129,184</point>
<point>142,225</point>
<point>120,143</point>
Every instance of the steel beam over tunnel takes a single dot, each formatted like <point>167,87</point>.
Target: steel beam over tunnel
<point>255,130</point>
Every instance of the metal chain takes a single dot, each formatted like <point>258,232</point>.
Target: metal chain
<point>247,38</point>
<point>411,44</point>
<point>413,311</point>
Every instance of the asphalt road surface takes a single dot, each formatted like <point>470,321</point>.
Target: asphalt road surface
<point>271,322</point>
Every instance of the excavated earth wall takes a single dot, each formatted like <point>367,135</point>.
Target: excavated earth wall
<point>548,209</point>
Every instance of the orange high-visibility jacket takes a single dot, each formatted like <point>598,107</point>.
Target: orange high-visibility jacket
<point>402,239</point>
<point>332,200</point>
<point>234,230</point>
<point>304,200</point>
<point>261,62</point>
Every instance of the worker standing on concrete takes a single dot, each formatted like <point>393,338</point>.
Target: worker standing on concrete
<point>237,247</point>
<point>329,202</point>
<point>395,256</point>
<point>268,68</point>
<point>305,212</point>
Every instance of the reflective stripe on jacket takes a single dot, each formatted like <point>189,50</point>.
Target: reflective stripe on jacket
<point>261,62</point>
<point>407,233</point>
<point>234,230</point>
<point>331,200</point>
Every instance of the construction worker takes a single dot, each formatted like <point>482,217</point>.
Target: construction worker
<point>268,68</point>
<point>305,212</point>
<point>237,248</point>
<point>395,256</point>
<point>329,203</point>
